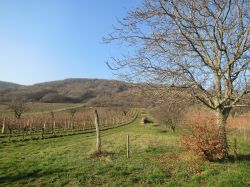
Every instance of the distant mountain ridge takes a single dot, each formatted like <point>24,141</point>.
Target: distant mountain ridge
<point>68,91</point>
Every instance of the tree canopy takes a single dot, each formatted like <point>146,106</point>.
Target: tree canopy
<point>203,45</point>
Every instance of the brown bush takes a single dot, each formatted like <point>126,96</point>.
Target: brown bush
<point>202,140</point>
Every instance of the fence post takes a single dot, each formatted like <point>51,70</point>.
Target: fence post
<point>9,134</point>
<point>44,126</point>
<point>54,126</point>
<point>98,137</point>
<point>128,150</point>
<point>43,129</point>
<point>3,128</point>
<point>42,132</point>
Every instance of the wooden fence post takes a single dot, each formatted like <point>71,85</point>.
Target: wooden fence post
<point>42,132</point>
<point>54,126</point>
<point>128,150</point>
<point>43,129</point>
<point>44,126</point>
<point>98,137</point>
<point>3,127</point>
<point>28,127</point>
<point>9,133</point>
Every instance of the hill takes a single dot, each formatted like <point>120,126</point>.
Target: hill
<point>94,91</point>
<point>8,85</point>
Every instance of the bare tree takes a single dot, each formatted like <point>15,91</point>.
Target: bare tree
<point>171,112</point>
<point>18,107</point>
<point>199,45</point>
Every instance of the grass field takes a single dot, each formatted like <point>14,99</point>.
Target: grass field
<point>37,108</point>
<point>156,160</point>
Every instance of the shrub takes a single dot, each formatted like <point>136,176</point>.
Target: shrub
<point>202,139</point>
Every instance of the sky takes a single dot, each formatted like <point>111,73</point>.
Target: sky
<point>45,40</point>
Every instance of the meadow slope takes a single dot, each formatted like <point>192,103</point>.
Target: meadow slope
<point>156,160</point>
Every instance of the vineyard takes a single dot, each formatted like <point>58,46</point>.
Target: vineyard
<point>57,124</point>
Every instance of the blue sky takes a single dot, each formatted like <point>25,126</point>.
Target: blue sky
<point>44,40</point>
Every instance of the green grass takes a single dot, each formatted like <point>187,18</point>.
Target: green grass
<point>156,160</point>
<point>40,108</point>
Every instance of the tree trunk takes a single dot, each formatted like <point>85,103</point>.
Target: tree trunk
<point>222,115</point>
<point>98,137</point>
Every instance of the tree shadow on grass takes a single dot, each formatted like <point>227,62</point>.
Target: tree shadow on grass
<point>21,176</point>
<point>240,158</point>
<point>162,131</point>
<point>243,157</point>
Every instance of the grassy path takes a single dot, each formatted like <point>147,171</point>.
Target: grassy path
<point>41,108</point>
<point>57,110</point>
<point>156,160</point>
